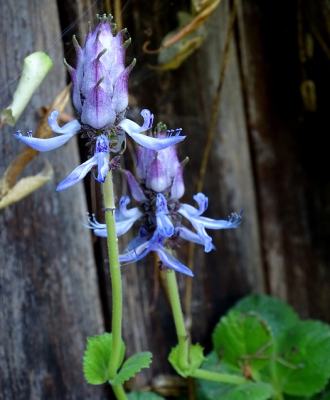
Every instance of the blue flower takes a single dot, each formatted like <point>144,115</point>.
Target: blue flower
<point>163,220</point>
<point>100,98</point>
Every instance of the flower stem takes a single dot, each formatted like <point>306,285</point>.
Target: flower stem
<point>218,377</point>
<point>173,294</point>
<point>119,392</point>
<point>116,284</point>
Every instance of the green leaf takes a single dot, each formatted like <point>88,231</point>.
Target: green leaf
<point>278,314</point>
<point>303,366</point>
<point>243,339</point>
<point>196,358</point>
<point>132,366</point>
<point>207,390</point>
<point>144,396</point>
<point>97,358</point>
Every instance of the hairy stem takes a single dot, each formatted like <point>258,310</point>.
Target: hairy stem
<point>173,294</point>
<point>116,284</point>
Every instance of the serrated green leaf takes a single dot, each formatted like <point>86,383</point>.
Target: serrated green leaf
<point>243,339</point>
<point>97,358</point>
<point>144,396</point>
<point>279,315</point>
<point>132,366</point>
<point>207,390</point>
<point>303,367</point>
<point>196,358</point>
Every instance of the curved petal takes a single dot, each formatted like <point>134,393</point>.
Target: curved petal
<point>124,212</point>
<point>124,226</point>
<point>71,128</point>
<point>191,236</point>
<point>202,202</point>
<point>77,174</point>
<point>209,223</point>
<point>43,144</point>
<point>130,126</point>
<point>136,253</point>
<point>101,229</point>
<point>171,262</point>
<point>189,210</point>
<point>200,229</point>
<point>134,186</point>
<point>154,143</point>
<point>100,232</point>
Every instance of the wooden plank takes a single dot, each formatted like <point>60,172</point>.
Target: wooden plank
<point>272,77</point>
<point>48,285</point>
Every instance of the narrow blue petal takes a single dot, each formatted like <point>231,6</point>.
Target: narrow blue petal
<point>154,143</point>
<point>100,232</point>
<point>202,202</point>
<point>164,226</point>
<point>77,174</point>
<point>124,226</point>
<point>171,262</point>
<point>124,212</point>
<point>200,228</point>
<point>233,221</point>
<point>71,128</point>
<point>191,236</point>
<point>130,126</point>
<point>43,144</point>
<point>136,253</point>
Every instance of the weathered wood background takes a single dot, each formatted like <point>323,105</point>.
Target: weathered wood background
<point>268,156</point>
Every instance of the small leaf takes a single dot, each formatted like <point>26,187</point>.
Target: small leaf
<point>132,366</point>
<point>97,358</point>
<point>207,390</point>
<point>303,366</point>
<point>144,396</point>
<point>243,339</point>
<point>279,315</point>
<point>196,357</point>
<point>35,68</point>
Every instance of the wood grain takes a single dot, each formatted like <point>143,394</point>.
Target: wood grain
<point>49,294</point>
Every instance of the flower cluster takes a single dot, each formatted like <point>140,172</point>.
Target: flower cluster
<point>100,98</point>
<point>163,220</point>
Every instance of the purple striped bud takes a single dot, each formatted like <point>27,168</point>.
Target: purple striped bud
<point>160,170</point>
<point>100,79</point>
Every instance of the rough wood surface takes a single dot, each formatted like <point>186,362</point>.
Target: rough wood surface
<point>49,294</point>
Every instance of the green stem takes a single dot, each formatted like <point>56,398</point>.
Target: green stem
<point>173,294</point>
<point>116,284</point>
<point>119,392</point>
<point>217,377</point>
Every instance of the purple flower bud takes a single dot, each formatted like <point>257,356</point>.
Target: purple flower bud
<point>100,79</point>
<point>160,170</point>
